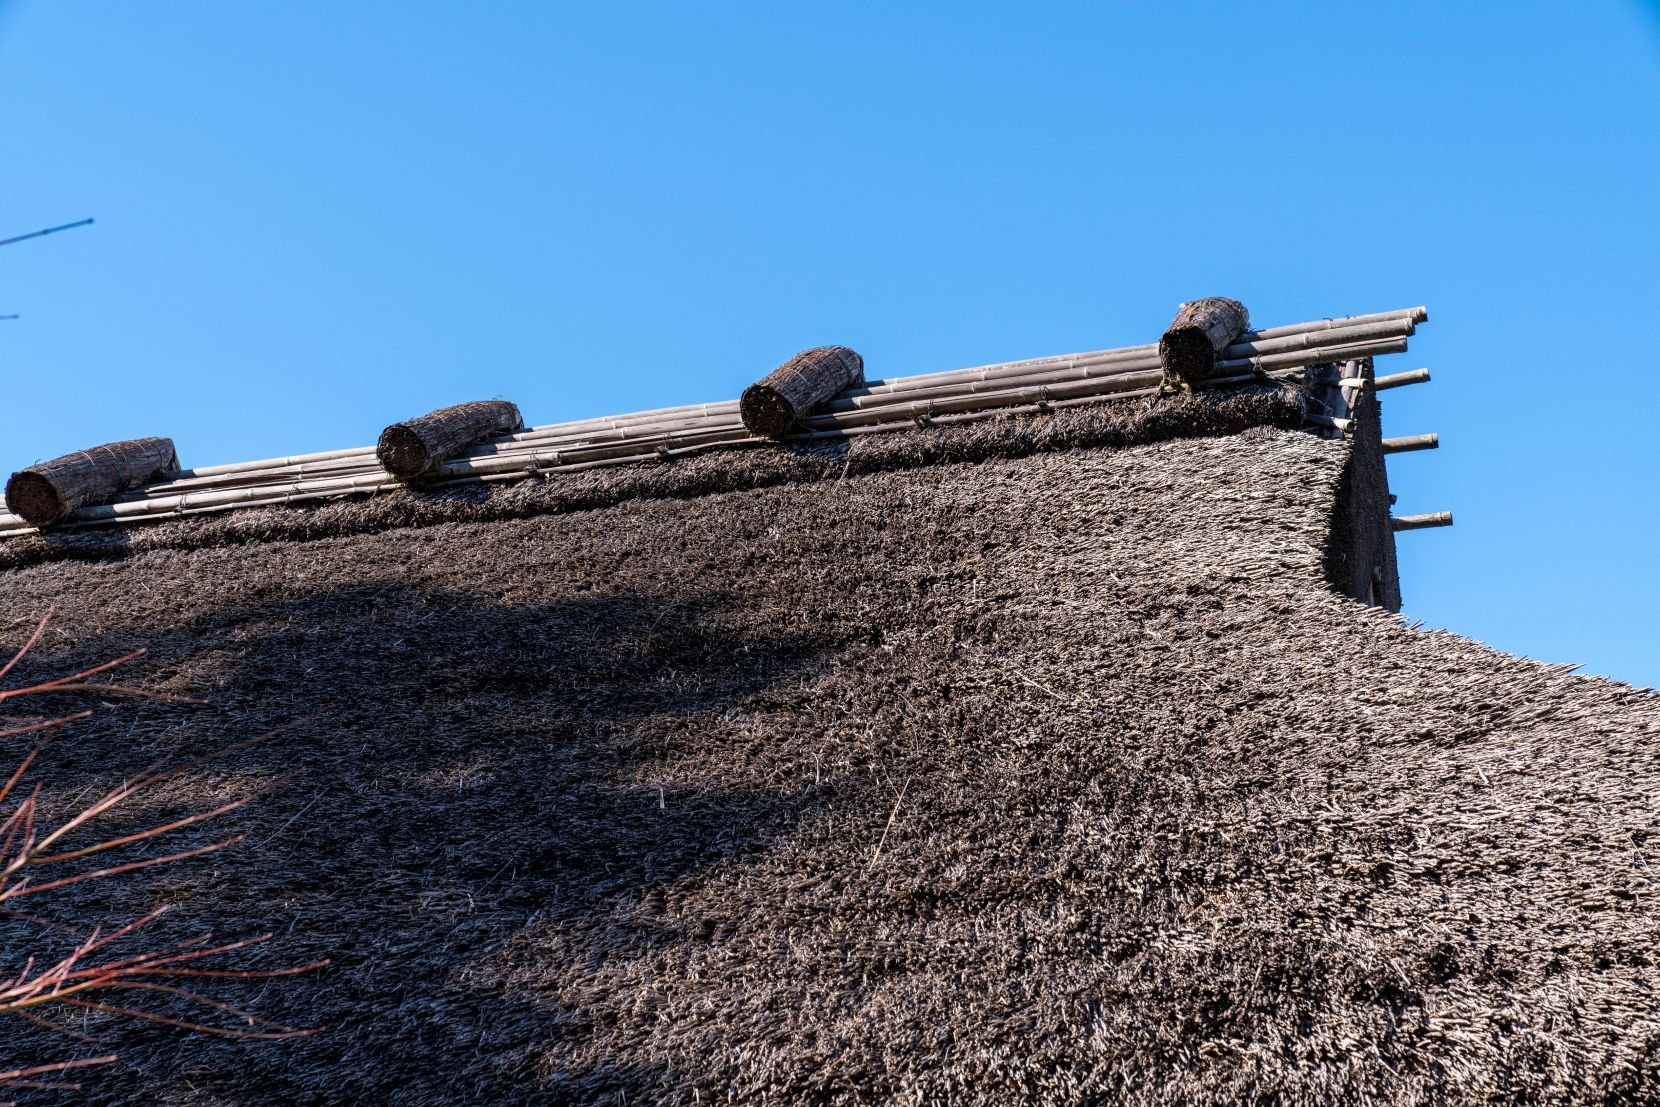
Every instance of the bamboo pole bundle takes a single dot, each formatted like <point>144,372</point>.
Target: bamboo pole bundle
<point>774,404</point>
<point>410,449</point>
<point>1130,359</point>
<point>365,455</point>
<point>1411,442</point>
<point>712,431</point>
<point>1421,522</point>
<point>48,492</point>
<point>1400,323</point>
<point>957,396</point>
<point>660,426</point>
<point>296,461</point>
<point>988,385</point>
<point>1296,351</point>
<point>1195,339</point>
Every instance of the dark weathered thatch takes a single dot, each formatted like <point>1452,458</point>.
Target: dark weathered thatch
<point>774,404</point>
<point>413,448</point>
<point>1114,426</point>
<point>1014,763</point>
<point>47,492</point>
<point>1195,339</point>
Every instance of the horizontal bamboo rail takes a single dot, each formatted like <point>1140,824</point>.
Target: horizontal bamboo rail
<point>1420,522</point>
<point>1312,336</point>
<point>522,451</point>
<point>1409,443</point>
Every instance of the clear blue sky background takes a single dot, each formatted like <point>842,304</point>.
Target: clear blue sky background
<point>315,218</point>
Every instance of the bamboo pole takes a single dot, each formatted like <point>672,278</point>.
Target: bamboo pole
<point>1396,380</point>
<point>1328,422</point>
<point>1420,522</point>
<point>1410,443</point>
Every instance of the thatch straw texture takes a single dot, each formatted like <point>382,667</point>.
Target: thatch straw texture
<point>1115,426</point>
<point>1025,771</point>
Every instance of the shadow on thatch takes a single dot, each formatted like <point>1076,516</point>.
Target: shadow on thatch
<point>464,768</point>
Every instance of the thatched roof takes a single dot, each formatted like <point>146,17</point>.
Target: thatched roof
<point>1041,759</point>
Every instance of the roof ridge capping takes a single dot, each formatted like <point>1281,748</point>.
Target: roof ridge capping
<point>821,393</point>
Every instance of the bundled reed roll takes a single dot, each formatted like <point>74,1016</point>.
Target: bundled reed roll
<point>781,399</point>
<point>416,447</point>
<point>48,492</point>
<point>1195,339</point>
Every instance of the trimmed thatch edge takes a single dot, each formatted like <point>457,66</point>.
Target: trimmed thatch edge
<point>1210,414</point>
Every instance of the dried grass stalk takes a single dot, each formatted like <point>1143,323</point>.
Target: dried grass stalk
<point>101,969</point>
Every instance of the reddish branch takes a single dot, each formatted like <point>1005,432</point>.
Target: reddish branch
<point>91,976</point>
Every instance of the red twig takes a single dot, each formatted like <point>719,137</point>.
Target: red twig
<point>87,969</point>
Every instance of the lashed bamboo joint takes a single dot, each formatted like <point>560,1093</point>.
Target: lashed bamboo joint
<point>413,449</point>
<point>1195,339</point>
<point>46,493</point>
<point>773,405</point>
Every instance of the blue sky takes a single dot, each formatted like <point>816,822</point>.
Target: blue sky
<point>316,218</point>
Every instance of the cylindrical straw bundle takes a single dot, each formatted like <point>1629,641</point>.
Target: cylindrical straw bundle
<point>1195,339</point>
<point>48,492</point>
<point>411,449</point>
<point>777,402</point>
